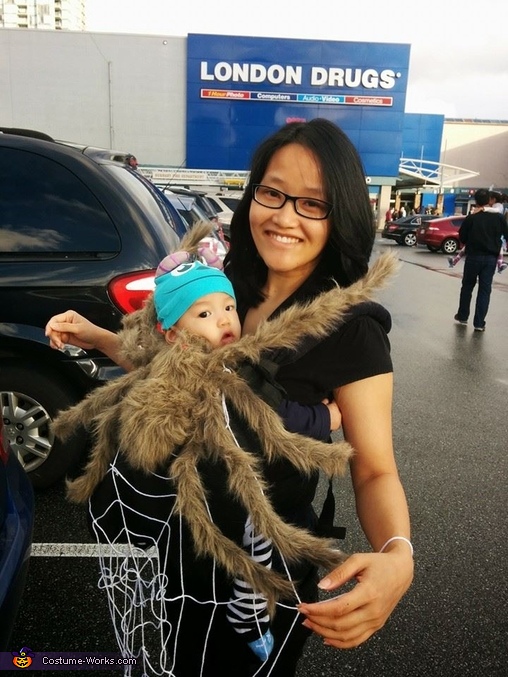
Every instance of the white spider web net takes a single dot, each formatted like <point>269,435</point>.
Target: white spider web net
<point>146,582</point>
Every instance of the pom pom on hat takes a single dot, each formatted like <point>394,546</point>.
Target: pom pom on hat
<point>171,261</point>
<point>205,251</point>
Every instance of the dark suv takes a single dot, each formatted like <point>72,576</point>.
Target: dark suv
<point>79,229</point>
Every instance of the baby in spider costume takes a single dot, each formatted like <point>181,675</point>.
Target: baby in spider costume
<point>169,413</point>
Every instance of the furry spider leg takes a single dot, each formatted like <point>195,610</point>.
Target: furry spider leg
<point>213,440</point>
<point>303,452</point>
<point>244,481</point>
<point>95,404</point>
<point>315,318</point>
<point>207,537</point>
<point>158,412</point>
<point>100,407</point>
<point>103,451</point>
<point>141,341</point>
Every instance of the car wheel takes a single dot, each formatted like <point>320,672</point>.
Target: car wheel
<point>450,246</point>
<point>410,239</point>
<point>432,249</point>
<point>29,400</point>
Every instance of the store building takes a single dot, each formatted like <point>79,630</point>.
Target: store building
<point>205,101</point>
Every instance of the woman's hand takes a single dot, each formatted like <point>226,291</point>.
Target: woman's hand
<point>71,327</point>
<point>352,617</point>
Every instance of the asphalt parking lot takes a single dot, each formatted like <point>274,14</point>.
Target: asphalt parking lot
<point>451,438</point>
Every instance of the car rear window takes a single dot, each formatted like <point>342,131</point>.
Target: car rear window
<point>218,208</point>
<point>207,206</point>
<point>231,202</point>
<point>47,210</point>
<point>154,203</point>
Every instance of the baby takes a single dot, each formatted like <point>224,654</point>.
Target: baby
<point>200,299</point>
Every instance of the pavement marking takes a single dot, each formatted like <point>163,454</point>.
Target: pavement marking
<point>90,550</point>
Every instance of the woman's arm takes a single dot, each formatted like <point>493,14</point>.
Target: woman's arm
<point>382,579</point>
<point>71,327</point>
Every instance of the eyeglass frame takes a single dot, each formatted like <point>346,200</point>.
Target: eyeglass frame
<point>293,199</point>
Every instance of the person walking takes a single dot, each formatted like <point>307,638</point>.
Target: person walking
<point>496,207</point>
<point>481,234</point>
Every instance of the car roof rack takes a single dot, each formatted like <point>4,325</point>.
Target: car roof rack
<point>34,134</point>
<point>100,154</point>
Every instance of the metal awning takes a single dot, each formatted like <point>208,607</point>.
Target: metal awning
<point>434,173</point>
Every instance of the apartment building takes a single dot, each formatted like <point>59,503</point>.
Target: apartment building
<point>43,14</point>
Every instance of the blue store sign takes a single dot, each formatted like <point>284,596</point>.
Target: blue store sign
<point>240,90</point>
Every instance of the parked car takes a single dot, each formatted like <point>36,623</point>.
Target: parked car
<point>16,527</point>
<point>229,200</point>
<point>403,231</point>
<point>200,198</point>
<point>79,229</point>
<point>203,202</point>
<point>441,234</point>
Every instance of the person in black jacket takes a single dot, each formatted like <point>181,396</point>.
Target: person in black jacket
<point>481,233</point>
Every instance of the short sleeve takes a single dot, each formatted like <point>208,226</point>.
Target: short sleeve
<point>357,350</point>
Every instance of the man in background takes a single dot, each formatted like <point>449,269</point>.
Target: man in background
<point>481,233</point>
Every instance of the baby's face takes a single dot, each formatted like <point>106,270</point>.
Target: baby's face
<point>214,318</point>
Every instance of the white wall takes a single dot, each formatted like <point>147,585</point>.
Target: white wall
<point>121,91</point>
<point>481,147</point>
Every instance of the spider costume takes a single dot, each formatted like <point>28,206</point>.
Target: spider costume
<point>183,454</point>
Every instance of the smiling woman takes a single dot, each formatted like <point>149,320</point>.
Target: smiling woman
<point>283,261</point>
<point>289,245</point>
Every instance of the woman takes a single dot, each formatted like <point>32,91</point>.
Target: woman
<point>304,224</point>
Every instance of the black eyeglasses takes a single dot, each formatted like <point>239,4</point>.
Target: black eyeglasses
<point>308,207</point>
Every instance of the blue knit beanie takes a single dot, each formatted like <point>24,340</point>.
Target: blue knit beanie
<point>176,290</point>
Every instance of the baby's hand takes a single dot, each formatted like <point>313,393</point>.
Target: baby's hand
<point>335,415</point>
<point>71,327</point>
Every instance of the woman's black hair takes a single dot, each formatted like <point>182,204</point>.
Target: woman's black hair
<point>347,252</point>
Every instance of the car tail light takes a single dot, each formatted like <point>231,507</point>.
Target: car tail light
<point>129,292</point>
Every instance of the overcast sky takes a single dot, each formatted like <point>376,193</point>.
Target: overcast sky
<point>459,48</point>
